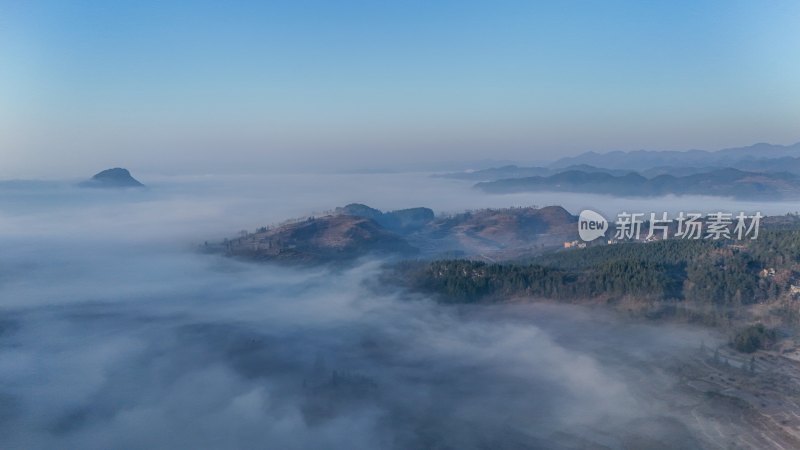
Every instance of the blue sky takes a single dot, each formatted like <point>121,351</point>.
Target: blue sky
<point>199,86</point>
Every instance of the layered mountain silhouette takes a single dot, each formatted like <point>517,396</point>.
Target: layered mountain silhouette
<point>721,182</point>
<point>513,171</point>
<point>646,159</point>
<point>757,172</point>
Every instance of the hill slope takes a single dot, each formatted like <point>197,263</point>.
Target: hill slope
<point>319,240</point>
<point>357,230</point>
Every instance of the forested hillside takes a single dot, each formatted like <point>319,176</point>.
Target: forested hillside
<point>720,276</point>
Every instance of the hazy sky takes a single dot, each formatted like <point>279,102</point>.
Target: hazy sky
<point>254,86</point>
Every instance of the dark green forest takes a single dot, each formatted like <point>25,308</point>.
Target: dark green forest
<point>722,274</point>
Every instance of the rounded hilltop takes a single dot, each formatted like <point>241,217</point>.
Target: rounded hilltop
<point>112,178</point>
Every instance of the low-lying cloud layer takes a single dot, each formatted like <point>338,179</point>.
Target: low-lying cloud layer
<point>114,333</point>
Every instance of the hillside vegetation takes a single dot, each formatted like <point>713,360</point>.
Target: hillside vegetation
<point>709,281</point>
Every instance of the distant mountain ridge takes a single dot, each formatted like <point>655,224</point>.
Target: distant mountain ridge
<point>757,172</point>
<point>513,171</point>
<point>721,182</point>
<point>647,159</point>
<point>783,164</point>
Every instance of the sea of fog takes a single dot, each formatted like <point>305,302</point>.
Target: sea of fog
<point>116,333</point>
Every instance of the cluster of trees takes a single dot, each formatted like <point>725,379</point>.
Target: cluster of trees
<point>753,338</point>
<point>470,281</point>
<point>725,278</point>
<point>775,248</point>
<point>467,280</point>
<point>671,251</point>
<point>721,274</point>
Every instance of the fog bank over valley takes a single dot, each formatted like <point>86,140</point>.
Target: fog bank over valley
<point>116,332</point>
<point>191,208</point>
